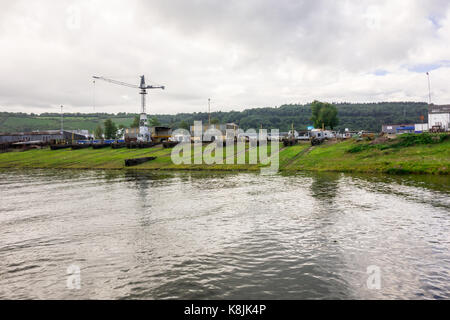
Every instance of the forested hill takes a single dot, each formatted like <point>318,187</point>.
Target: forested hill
<point>368,116</point>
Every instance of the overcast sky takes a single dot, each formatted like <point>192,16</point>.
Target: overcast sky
<point>241,54</point>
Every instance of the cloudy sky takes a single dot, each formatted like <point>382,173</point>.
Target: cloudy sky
<point>241,54</point>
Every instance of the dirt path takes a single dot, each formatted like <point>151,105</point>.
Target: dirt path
<point>298,155</point>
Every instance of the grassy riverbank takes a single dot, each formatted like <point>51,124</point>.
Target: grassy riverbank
<point>351,156</point>
<point>401,155</point>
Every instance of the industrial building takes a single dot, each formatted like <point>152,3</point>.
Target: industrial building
<point>225,129</point>
<point>439,117</point>
<point>438,121</point>
<point>40,136</point>
<point>221,127</point>
<point>158,134</point>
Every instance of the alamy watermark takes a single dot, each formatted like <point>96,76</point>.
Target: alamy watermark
<point>73,20</point>
<point>73,281</point>
<point>234,146</point>
<point>374,279</point>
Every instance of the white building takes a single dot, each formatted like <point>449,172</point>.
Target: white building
<point>420,127</point>
<point>439,116</point>
<point>228,130</point>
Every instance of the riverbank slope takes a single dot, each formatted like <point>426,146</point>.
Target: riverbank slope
<point>408,154</point>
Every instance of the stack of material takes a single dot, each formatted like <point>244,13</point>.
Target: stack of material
<point>135,162</point>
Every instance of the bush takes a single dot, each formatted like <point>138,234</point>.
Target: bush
<point>405,140</point>
<point>410,139</point>
<point>359,148</point>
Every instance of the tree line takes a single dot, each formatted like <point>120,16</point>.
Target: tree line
<point>355,116</point>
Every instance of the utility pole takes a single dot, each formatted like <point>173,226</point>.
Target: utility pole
<point>93,96</point>
<point>429,88</point>
<point>209,112</point>
<point>429,97</point>
<point>62,120</point>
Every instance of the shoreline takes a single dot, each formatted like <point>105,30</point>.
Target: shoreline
<point>257,170</point>
<point>393,172</point>
<point>387,172</point>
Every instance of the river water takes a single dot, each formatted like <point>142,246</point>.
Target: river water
<point>200,235</point>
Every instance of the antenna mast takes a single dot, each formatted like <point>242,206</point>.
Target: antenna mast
<point>429,88</point>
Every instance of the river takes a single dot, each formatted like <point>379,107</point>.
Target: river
<point>178,235</point>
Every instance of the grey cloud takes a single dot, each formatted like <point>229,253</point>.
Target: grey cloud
<point>316,32</point>
<point>240,53</point>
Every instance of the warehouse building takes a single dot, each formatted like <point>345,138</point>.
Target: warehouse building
<point>228,130</point>
<point>439,117</point>
<point>40,136</point>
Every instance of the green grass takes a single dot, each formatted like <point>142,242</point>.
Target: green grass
<point>405,140</point>
<point>421,158</point>
<point>108,158</point>
<point>431,158</point>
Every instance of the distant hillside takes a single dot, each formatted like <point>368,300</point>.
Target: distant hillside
<point>368,116</point>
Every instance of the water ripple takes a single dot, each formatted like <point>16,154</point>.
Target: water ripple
<point>222,236</point>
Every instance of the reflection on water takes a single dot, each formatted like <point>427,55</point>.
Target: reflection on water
<point>324,186</point>
<point>147,235</point>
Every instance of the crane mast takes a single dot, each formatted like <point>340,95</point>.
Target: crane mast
<point>144,132</point>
